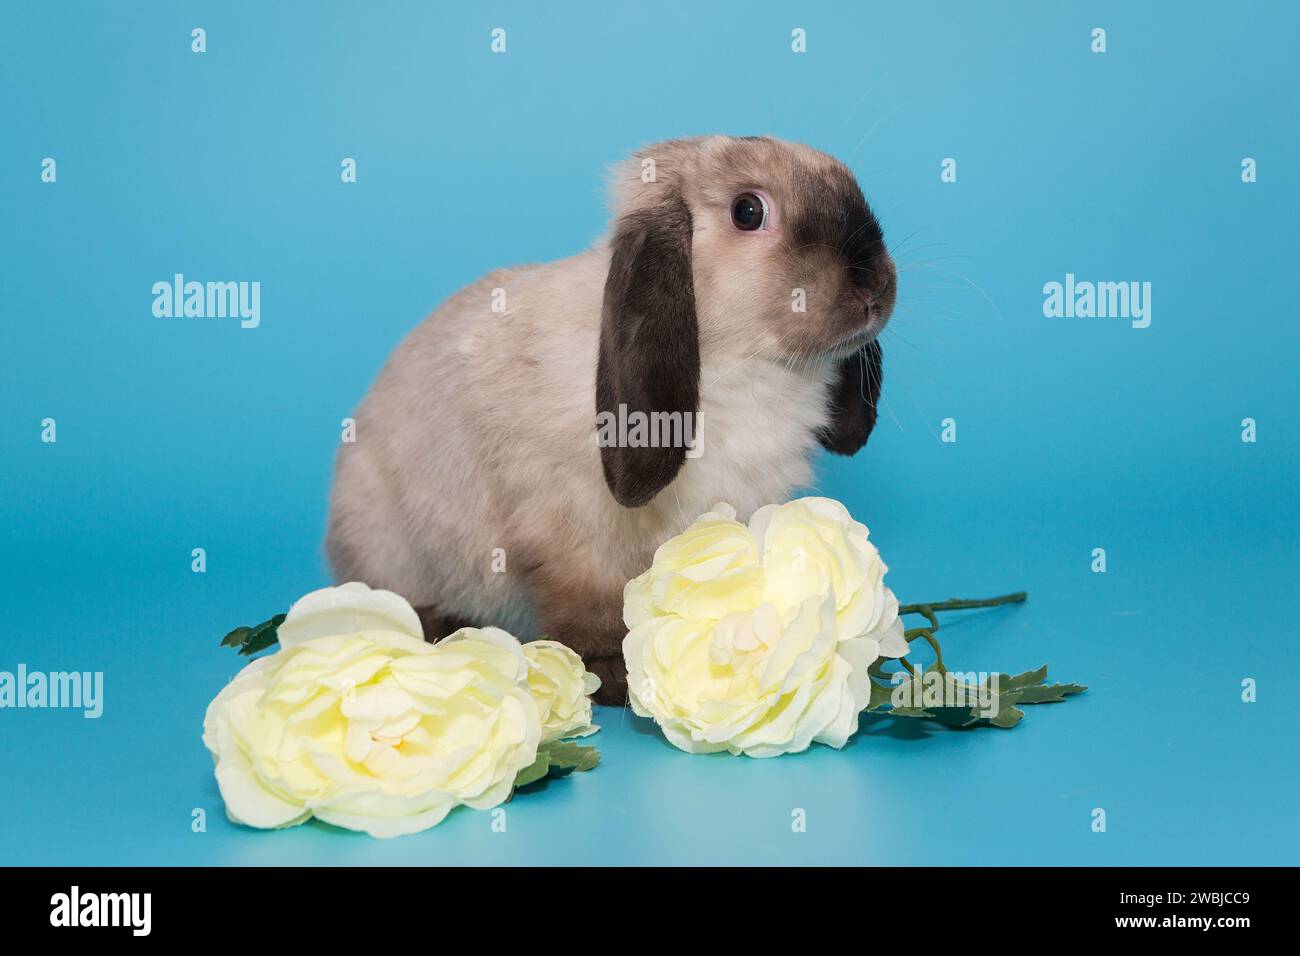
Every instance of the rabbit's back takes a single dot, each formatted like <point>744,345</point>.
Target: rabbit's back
<point>479,418</point>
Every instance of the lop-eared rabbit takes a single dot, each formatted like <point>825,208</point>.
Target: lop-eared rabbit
<point>503,472</point>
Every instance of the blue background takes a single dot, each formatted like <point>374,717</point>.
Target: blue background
<point>1073,434</point>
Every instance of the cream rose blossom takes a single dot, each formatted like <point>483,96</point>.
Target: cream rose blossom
<point>359,722</point>
<point>756,639</point>
<point>562,688</point>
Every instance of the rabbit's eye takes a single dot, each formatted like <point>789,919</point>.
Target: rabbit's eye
<point>748,212</point>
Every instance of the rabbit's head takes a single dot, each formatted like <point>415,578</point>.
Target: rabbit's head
<point>738,246</point>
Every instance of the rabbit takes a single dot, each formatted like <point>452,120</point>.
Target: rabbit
<point>743,286</point>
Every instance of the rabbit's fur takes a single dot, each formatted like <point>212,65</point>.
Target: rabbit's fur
<point>476,486</point>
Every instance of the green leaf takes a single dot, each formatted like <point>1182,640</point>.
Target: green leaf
<point>236,638</point>
<point>880,697</point>
<point>567,756</point>
<point>1008,716</point>
<point>558,759</point>
<point>1048,693</point>
<point>250,640</point>
<point>534,771</point>
<point>1026,679</point>
<point>918,712</point>
<point>1025,688</point>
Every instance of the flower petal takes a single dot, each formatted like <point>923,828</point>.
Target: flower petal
<point>347,609</point>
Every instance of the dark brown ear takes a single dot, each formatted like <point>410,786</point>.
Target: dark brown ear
<point>852,401</point>
<point>649,348</point>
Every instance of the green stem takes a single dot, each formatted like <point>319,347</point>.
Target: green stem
<point>960,604</point>
<point>952,604</point>
<point>924,632</point>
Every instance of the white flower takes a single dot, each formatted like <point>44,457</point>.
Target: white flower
<point>562,688</point>
<point>359,722</point>
<point>757,639</point>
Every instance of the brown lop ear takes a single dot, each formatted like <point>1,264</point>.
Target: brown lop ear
<point>852,401</point>
<point>649,358</point>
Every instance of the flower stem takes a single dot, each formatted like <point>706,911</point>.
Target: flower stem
<point>928,635</point>
<point>952,604</point>
<point>960,604</point>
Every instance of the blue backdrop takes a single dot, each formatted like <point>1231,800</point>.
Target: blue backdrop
<point>1072,434</point>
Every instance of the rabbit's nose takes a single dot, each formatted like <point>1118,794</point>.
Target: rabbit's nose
<point>874,277</point>
<point>877,286</point>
